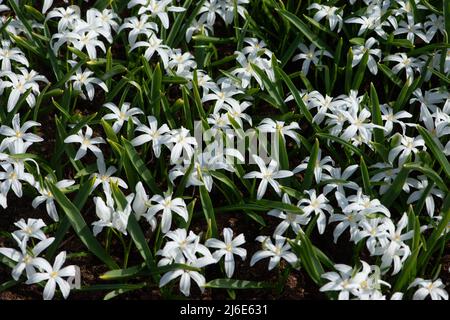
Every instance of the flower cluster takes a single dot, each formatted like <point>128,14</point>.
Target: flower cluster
<point>330,121</point>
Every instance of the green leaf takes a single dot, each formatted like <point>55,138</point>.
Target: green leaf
<point>348,70</point>
<point>365,177</point>
<point>156,91</point>
<point>309,173</point>
<point>296,94</point>
<point>430,173</point>
<point>396,187</point>
<point>269,204</point>
<point>237,284</point>
<point>136,232</point>
<point>376,115</point>
<point>110,134</point>
<point>308,257</point>
<point>80,227</point>
<point>270,87</point>
<point>392,76</point>
<point>112,286</point>
<point>117,292</point>
<point>342,142</point>
<point>80,200</point>
<point>8,284</point>
<point>208,210</point>
<point>446,11</point>
<point>303,28</point>
<point>7,262</point>
<point>140,166</point>
<point>435,149</point>
<point>359,76</point>
<point>282,151</point>
<point>434,238</point>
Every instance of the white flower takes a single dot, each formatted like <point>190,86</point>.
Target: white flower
<point>310,55</point>
<point>404,62</point>
<point>12,176</point>
<point>359,51</point>
<point>222,96</point>
<point>26,259</point>
<point>182,142</point>
<point>334,19</point>
<point>255,48</point>
<point>183,62</point>
<point>228,248</point>
<point>209,10</point>
<point>198,26</point>
<point>154,44</point>
<point>387,114</point>
<point>293,220</point>
<point>67,16</point>
<point>87,39</point>
<point>235,110</point>
<point>121,115</point>
<point>435,289</point>
<point>316,204</point>
<point>30,229</point>
<point>54,275</point>
<point>267,176</point>
<point>186,275</point>
<point>20,84</point>
<point>158,8</point>
<point>422,186</point>
<point>158,136</point>
<point>141,205</point>
<point>395,251</point>
<point>8,54</point>
<point>47,197</point>
<point>364,205</point>
<point>104,176</point>
<point>374,231</point>
<point>111,217</point>
<point>182,244</point>
<point>138,26</point>
<point>341,281</point>
<point>358,125</point>
<point>372,22</point>
<point>268,125</point>
<point>349,219</point>
<point>3,7</point>
<point>320,166</point>
<point>411,29</point>
<point>87,143</point>
<point>280,250</point>
<point>167,205</point>
<point>18,133</point>
<point>340,180</point>
<point>407,146</point>
<point>84,79</point>
<point>102,22</point>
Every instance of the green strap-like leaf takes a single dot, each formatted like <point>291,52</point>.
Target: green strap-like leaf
<point>303,28</point>
<point>208,210</point>
<point>140,166</point>
<point>435,149</point>
<point>237,284</point>
<point>80,226</point>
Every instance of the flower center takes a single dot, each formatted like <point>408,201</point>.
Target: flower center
<point>315,203</point>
